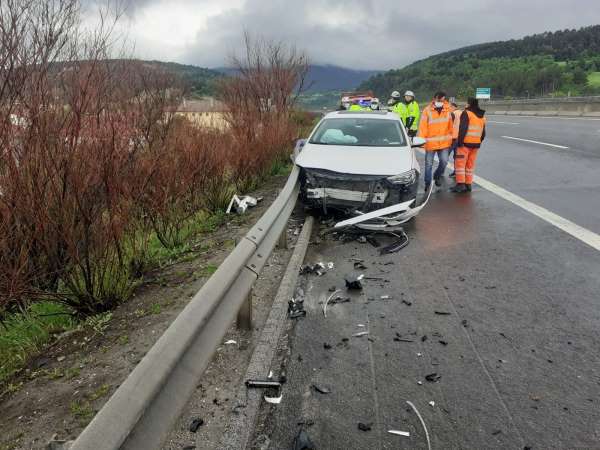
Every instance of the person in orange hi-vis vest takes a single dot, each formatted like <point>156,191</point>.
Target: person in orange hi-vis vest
<point>456,112</point>
<point>436,128</point>
<point>471,134</point>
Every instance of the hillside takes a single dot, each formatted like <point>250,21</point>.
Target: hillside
<point>199,79</point>
<point>551,63</point>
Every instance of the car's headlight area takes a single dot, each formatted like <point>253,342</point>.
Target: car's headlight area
<point>404,178</point>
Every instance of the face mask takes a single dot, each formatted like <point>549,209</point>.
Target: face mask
<point>438,104</point>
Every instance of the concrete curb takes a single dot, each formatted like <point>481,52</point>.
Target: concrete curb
<point>239,432</point>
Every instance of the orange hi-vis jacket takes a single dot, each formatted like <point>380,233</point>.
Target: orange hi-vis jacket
<point>475,130</point>
<point>456,124</point>
<point>436,127</point>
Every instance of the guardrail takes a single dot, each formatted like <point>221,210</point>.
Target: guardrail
<point>141,412</point>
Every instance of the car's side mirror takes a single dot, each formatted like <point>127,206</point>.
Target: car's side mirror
<point>418,142</point>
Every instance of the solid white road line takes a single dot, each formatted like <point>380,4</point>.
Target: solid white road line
<point>535,142</point>
<point>578,232</point>
<point>505,123</point>
<point>583,234</point>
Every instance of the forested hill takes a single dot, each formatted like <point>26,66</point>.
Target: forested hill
<point>556,63</point>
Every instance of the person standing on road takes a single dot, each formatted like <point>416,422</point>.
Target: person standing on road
<point>471,134</point>
<point>408,111</point>
<point>456,112</point>
<point>436,128</point>
<point>355,106</point>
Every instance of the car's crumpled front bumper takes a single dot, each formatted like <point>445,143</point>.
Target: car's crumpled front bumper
<point>326,189</point>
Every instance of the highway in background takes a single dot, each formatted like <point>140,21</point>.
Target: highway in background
<point>498,302</point>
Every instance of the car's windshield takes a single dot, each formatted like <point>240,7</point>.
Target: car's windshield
<point>359,132</point>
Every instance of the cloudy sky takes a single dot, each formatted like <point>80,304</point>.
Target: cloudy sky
<point>368,34</point>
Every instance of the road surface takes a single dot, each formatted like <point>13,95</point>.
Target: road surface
<point>499,302</point>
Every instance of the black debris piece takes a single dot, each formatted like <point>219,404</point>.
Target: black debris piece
<point>400,338</point>
<point>374,278</point>
<point>196,423</point>
<point>345,339</point>
<point>358,265</point>
<point>362,239</point>
<point>338,299</point>
<point>357,260</point>
<point>442,313</point>
<point>433,377</point>
<point>313,269</point>
<point>423,338</point>
<point>444,343</point>
<point>332,289</point>
<point>365,426</point>
<point>435,361</point>
<point>326,346</point>
<point>189,447</point>
<point>527,447</point>
<point>490,287</point>
<point>353,282</point>
<point>374,242</point>
<point>406,302</point>
<point>321,389</point>
<point>496,432</point>
<point>262,384</point>
<point>395,246</point>
<point>465,323</point>
<point>461,278</point>
<point>302,441</point>
<point>389,263</point>
<point>296,309</point>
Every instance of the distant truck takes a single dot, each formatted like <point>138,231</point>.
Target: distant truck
<point>365,98</point>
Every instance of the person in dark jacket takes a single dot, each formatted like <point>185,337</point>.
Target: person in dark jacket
<point>471,134</point>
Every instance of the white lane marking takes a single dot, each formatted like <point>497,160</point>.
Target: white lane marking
<point>544,117</point>
<point>535,142</point>
<point>505,123</point>
<point>578,232</point>
<point>583,234</point>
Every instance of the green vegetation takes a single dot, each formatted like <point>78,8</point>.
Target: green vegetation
<point>200,82</point>
<point>82,411</point>
<point>316,101</point>
<point>560,63</point>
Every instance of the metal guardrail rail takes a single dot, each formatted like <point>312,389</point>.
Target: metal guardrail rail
<point>143,409</point>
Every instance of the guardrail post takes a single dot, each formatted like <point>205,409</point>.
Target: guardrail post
<point>282,242</point>
<point>244,316</point>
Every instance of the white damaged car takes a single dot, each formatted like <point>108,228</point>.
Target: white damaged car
<point>362,163</point>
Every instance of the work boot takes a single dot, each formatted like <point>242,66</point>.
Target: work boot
<point>468,186</point>
<point>460,188</point>
<point>427,187</point>
<point>437,181</point>
<point>453,174</point>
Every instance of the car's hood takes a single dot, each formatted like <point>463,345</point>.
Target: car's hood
<point>356,160</point>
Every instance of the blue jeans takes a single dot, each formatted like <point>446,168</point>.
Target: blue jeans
<point>442,163</point>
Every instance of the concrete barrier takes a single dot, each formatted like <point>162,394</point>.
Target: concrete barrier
<point>566,107</point>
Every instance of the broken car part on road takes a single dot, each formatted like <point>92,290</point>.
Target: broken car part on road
<point>241,204</point>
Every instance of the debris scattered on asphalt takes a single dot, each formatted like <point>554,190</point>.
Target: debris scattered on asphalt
<point>230,342</point>
<point>339,299</point>
<point>330,265</point>
<point>196,423</point>
<point>395,246</point>
<point>496,432</point>
<point>327,301</point>
<point>359,266</point>
<point>241,204</point>
<point>420,383</point>
<point>400,338</point>
<point>273,400</point>
<point>365,426</point>
<point>332,289</point>
<point>399,433</point>
<point>419,354</point>
<point>374,242</point>
<point>313,269</point>
<point>362,239</point>
<point>263,384</point>
<point>442,313</point>
<point>422,422</point>
<point>296,308</point>
<point>302,441</point>
<point>444,343</point>
<point>465,323</point>
<point>326,346</point>
<point>406,302</point>
<point>360,334</point>
<point>361,325</point>
<point>432,404</point>
<point>353,281</point>
<point>385,297</point>
<point>423,338</point>
<point>321,389</point>
<point>433,377</point>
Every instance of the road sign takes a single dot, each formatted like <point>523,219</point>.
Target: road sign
<point>483,93</point>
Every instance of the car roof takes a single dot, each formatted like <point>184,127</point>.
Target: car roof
<point>364,114</point>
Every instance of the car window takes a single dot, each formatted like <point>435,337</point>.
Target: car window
<point>359,132</point>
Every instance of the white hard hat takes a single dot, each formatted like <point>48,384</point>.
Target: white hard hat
<point>409,93</point>
<point>395,94</point>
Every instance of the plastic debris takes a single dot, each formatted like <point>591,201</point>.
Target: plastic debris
<point>321,389</point>
<point>374,242</point>
<point>358,265</point>
<point>432,404</point>
<point>273,400</point>
<point>406,302</point>
<point>365,426</point>
<point>230,342</point>
<point>433,377</point>
<point>360,334</point>
<point>399,433</point>
<point>296,309</point>
<point>262,384</point>
<point>361,325</point>
<point>362,239</point>
<point>420,383</point>
<point>396,246</point>
<point>327,301</point>
<point>421,419</point>
<point>330,265</point>
<point>419,354</point>
<point>442,313</point>
<point>241,204</point>
<point>444,343</point>
<point>196,423</point>
<point>314,269</point>
<point>385,297</point>
<point>353,282</point>
<point>302,441</point>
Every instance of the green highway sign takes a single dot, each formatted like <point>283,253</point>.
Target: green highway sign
<point>483,93</point>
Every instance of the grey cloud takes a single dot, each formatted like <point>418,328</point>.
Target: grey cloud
<point>380,34</point>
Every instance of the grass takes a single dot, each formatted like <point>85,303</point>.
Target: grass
<point>82,411</point>
<point>594,79</point>
<point>26,333</point>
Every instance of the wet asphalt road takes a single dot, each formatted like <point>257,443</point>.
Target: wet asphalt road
<point>518,346</point>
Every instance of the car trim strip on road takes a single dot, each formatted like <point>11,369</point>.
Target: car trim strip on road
<point>535,142</point>
<point>583,234</point>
